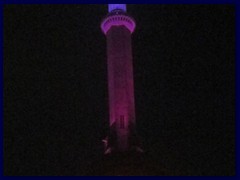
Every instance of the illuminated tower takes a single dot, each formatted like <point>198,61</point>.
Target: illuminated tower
<point>118,27</point>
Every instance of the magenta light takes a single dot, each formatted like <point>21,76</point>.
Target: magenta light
<point>118,26</point>
<point>118,20</point>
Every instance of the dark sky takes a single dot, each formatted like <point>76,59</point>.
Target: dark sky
<point>55,86</point>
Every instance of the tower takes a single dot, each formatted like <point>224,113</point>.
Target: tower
<point>118,27</point>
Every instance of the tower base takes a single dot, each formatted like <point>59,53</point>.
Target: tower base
<point>112,145</point>
<point>115,150</point>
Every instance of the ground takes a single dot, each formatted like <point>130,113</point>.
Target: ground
<point>127,164</point>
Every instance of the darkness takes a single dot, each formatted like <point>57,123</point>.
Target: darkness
<point>55,87</point>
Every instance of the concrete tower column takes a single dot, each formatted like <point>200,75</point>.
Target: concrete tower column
<point>118,27</point>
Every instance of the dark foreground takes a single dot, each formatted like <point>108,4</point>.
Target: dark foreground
<point>128,164</point>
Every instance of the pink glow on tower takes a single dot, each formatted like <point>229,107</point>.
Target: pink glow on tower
<point>118,26</point>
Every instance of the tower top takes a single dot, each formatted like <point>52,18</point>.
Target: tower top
<point>112,7</point>
<point>117,16</point>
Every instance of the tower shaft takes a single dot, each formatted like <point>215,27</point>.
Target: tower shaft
<point>118,26</point>
<point>120,83</point>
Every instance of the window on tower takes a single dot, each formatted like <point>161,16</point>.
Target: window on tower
<point>122,122</point>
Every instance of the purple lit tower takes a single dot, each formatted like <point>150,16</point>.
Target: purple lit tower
<point>118,27</point>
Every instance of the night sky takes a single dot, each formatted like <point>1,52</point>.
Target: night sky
<point>55,87</point>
